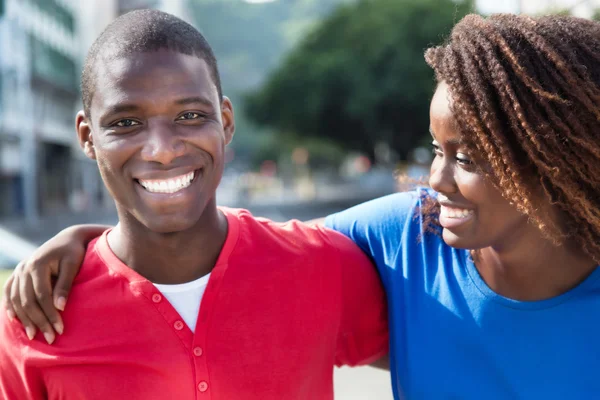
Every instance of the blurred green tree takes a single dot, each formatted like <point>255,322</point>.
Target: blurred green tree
<point>359,78</point>
<point>249,41</point>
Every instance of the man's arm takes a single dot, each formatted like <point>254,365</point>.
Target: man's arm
<point>375,226</point>
<point>28,293</point>
<point>363,335</point>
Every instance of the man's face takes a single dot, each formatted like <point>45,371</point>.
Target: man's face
<point>158,131</point>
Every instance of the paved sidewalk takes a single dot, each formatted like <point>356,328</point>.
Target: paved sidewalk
<point>363,383</point>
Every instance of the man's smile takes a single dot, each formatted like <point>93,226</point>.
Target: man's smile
<point>169,185</point>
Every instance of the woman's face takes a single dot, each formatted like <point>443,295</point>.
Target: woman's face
<point>473,213</point>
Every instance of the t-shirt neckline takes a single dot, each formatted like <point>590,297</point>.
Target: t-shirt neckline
<point>526,305</point>
<point>114,263</point>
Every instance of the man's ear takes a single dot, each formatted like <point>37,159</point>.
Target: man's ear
<point>228,119</point>
<point>84,134</point>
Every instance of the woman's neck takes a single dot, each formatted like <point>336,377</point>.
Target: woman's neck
<point>533,271</point>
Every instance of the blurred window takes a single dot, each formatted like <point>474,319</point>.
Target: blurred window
<point>57,12</point>
<point>52,65</point>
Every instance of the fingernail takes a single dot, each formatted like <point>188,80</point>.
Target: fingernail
<point>60,303</point>
<point>30,332</point>
<point>49,337</point>
<point>11,314</point>
<point>58,327</point>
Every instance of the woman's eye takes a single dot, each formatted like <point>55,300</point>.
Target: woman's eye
<point>189,115</point>
<point>126,123</point>
<point>463,159</point>
<point>436,150</point>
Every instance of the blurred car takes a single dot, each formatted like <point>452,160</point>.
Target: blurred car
<point>13,249</point>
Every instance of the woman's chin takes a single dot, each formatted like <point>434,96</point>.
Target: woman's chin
<point>457,241</point>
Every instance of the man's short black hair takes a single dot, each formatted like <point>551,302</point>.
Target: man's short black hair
<point>142,31</point>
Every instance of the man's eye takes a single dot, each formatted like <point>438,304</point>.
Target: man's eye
<point>126,123</point>
<point>188,115</point>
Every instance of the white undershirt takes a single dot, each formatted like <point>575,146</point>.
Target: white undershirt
<point>186,298</point>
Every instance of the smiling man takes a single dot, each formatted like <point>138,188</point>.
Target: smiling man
<point>183,299</point>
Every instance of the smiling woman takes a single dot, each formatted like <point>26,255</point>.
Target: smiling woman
<point>513,282</point>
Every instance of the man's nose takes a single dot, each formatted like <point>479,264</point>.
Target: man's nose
<point>163,144</point>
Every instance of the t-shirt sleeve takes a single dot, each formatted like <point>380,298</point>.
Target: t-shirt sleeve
<point>381,227</point>
<point>18,379</point>
<point>363,333</point>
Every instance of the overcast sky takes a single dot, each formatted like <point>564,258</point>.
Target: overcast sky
<point>582,7</point>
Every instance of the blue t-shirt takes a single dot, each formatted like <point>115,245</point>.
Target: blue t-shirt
<point>452,337</point>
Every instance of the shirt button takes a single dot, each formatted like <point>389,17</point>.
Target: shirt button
<point>197,351</point>
<point>203,386</point>
<point>156,298</point>
<point>178,325</point>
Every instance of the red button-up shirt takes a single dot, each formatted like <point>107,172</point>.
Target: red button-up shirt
<point>284,304</point>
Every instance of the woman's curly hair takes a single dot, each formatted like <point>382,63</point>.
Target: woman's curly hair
<point>526,97</point>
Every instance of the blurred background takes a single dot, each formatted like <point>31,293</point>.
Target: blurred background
<point>331,100</point>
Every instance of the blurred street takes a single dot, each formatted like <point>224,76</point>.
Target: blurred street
<point>279,205</point>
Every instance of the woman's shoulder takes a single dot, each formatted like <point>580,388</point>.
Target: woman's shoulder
<point>388,213</point>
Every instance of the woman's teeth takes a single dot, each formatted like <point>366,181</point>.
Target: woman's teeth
<point>172,185</point>
<point>455,212</point>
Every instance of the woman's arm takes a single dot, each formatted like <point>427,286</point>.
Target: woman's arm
<point>28,293</point>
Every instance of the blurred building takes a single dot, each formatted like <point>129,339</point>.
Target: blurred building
<point>38,92</point>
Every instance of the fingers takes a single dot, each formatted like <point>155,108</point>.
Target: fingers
<point>15,298</point>
<point>67,271</point>
<point>29,295</point>
<point>42,286</point>
<point>32,308</point>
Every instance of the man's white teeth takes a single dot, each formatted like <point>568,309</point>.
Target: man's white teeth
<point>456,212</point>
<point>172,185</point>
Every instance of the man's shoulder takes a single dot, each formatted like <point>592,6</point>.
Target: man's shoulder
<point>291,238</point>
<point>94,263</point>
<point>96,285</point>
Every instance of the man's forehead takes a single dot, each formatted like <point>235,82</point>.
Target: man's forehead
<point>120,67</point>
<point>152,74</point>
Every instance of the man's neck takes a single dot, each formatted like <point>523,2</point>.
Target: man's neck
<point>170,258</point>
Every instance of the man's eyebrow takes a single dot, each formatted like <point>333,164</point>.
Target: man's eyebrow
<point>119,108</point>
<point>194,100</point>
